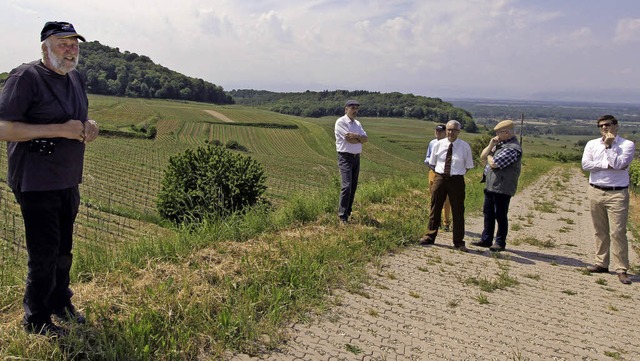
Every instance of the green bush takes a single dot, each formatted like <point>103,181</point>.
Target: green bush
<point>208,182</point>
<point>634,175</point>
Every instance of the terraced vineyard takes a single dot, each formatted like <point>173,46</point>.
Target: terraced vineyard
<point>122,175</point>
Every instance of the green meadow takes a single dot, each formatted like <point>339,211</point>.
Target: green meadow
<point>152,291</point>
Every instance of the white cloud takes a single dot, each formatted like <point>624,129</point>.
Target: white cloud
<point>418,46</point>
<point>579,38</point>
<point>627,31</point>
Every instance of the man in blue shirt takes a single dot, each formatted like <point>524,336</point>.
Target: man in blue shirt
<point>440,133</point>
<point>504,161</point>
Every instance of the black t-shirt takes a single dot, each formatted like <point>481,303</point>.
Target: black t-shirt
<point>34,94</point>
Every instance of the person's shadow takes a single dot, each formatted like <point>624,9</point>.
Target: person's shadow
<point>533,257</point>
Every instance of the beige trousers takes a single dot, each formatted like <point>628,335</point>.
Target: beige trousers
<point>446,209</point>
<point>609,213</point>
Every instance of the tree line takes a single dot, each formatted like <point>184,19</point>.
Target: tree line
<point>108,71</point>
<point>372,104</point>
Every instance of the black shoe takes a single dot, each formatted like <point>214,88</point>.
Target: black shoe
<point>446,228</point>
<point>426,240</point>
<point>48,329</point>
<point>597,269</point>
<point>496,248</point>
<point>481,244</point>
<point>462,249</point>
<point>71,315</point>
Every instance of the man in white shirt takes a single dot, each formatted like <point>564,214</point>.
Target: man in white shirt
<point>450,158</point>
<point>349,139</point>
<point>607,159</point>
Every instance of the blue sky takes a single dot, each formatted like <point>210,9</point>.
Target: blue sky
<point>536,49</point>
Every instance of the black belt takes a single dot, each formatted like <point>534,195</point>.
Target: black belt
<point>608,188</point>
<point>347,154</point>
<point>449,176</point>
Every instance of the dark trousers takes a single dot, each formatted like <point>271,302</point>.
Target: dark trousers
<point>48,223</point>
<point>495,209</point>
<point>349,165</point>
<point>454,188</point>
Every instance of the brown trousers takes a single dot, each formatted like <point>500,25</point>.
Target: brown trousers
<point>446,219</point>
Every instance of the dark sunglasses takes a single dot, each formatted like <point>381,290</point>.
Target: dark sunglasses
<point>605,125</point>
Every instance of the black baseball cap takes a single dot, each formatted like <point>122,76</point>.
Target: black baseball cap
<point>60,29</point>
<point>441,127</point>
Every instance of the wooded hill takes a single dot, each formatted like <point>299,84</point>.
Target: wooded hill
<point>372,104</point>
<point>111,72</point>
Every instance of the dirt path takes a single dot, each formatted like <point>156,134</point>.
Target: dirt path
<point>219,116</point>
<point>426,302</point>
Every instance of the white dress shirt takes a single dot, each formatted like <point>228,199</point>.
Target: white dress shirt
<point>461,160</point>
<point>608,167</point>
<point>346,125</point>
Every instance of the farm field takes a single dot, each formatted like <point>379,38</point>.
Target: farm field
<point>123,175</point>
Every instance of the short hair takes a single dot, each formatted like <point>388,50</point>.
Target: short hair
<point>608,117</point>
<point>456,123</point>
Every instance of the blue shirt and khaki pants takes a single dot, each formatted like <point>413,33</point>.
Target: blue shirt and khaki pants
<point>446,209</point>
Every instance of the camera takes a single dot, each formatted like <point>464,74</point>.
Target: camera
<point>42,146</point>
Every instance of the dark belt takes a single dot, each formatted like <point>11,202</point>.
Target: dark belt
<point>347,154</point>
<point>608,188</point>
<point>449,176</point>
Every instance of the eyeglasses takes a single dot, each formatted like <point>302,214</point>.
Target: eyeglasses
<point>453,130</point>
<point>605,125</point>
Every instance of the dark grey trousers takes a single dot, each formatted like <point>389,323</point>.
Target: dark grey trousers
<point>349,165</point>
<point>48,222</point>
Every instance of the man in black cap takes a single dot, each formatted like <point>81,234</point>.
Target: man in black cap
<point>440,132</point>
<point>44,174</point>
<point>349,139</point>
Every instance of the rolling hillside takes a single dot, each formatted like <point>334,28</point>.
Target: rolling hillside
<point>122,175</point>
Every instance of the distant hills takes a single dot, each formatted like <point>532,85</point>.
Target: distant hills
<point>373,104</point>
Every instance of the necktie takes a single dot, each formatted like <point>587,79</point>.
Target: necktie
<point>447,161</point>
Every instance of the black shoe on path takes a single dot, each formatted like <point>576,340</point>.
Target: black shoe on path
<point>481,244</point>
<point>426,240</point>
<point>597,269</point>
<point>496,248</point>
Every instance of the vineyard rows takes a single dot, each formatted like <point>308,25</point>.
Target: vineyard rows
<point>122,176</point>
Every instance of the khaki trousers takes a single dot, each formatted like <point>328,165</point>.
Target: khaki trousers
<point>446,219</point>
<point>609,213</point>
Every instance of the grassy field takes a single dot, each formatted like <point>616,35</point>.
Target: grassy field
<point>154,292</point>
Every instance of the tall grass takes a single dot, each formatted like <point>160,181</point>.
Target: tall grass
<point>231,285</point>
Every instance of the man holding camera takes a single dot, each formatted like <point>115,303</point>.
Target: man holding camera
<point>46,99</point>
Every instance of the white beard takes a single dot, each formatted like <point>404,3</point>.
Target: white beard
<point>58,63</point>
